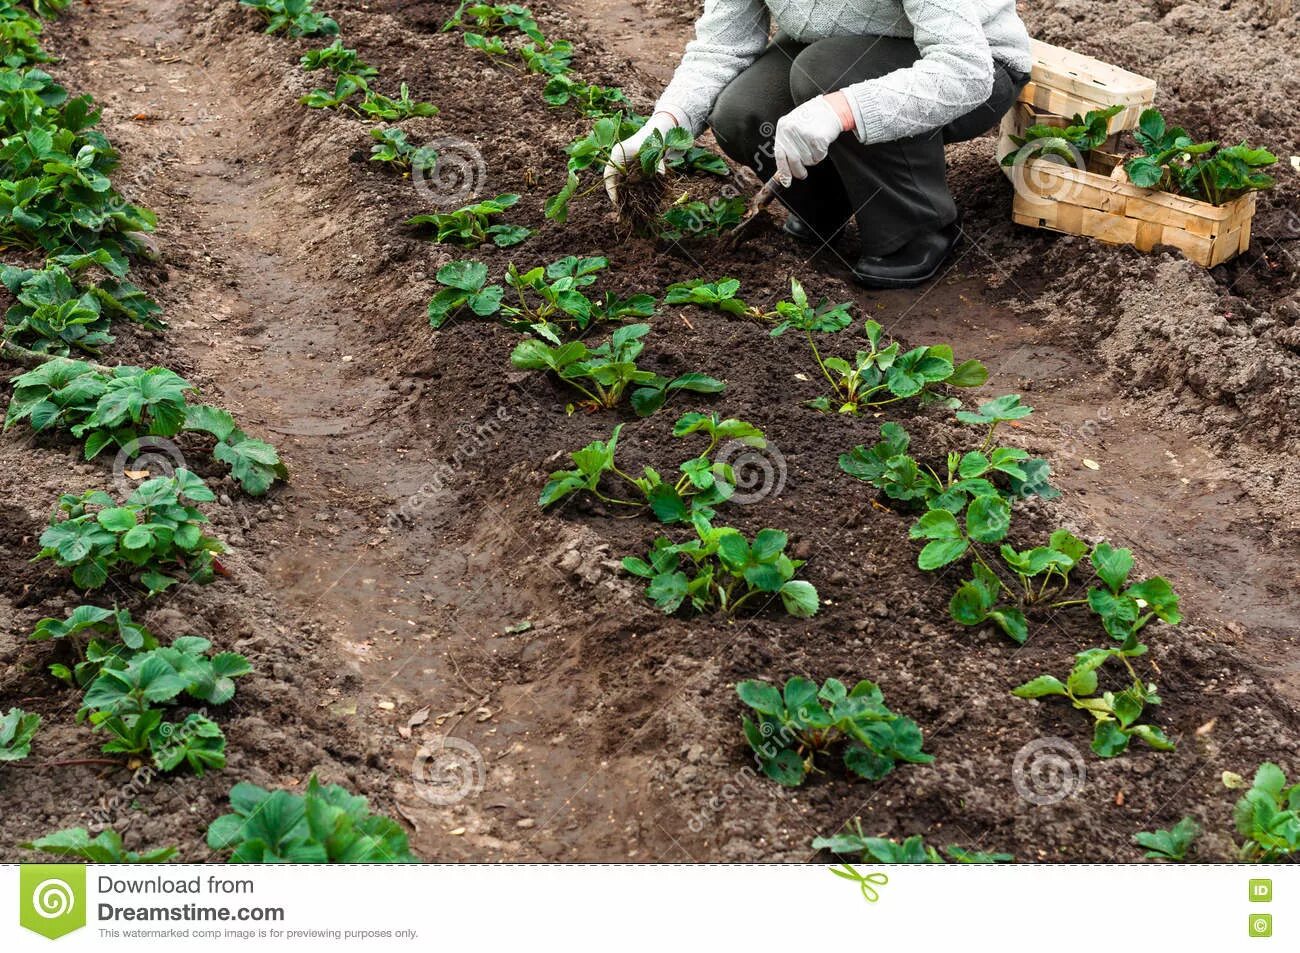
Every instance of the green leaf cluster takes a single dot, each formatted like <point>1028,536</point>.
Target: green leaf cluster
<point>326,824</point>
<point>104,848</point>
<point>791,727</point>
<point>392,148</point>
<point>604,373</point>
<point>472,225</point>
<point>1268,816</point>
<point>721,569</point>
<point>294,18</point>
<point>1173,162</point>
<point>155,536</point>
<point>17,728</point>
<point>913,850</point>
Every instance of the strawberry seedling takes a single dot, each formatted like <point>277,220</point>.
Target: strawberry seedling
<point>339,60</point>
<point>686,219</point>
<point>604,373</point>
<point>157,532</point>
<point>17,728</point>
<point>94,620</point>
<point>794,726</point>
<point>494,18</point>
<point>104,848</point>
<point>552,304</point>
<point>875,377</point>
<point>594,101</point>
<point>720,569</point>
<point>54,313</point>
<point>324,825</point>
<point>1082,134</point>
<point>1115,714</point>
<point>914,850</point>
<point>1206,171</point>
<point>1172,844</point>
<point>471,226</point>
<point>1126,609</point>
<point>714,295</point>
<point>378,106</point>
<point>392,148</point>
<point>465,286</point>
<point>346,85</point>
<point>292,17</point>
<point>704,482</point>
<point>1268,817</point>
<point>547,58</point>
<point>125,408</point>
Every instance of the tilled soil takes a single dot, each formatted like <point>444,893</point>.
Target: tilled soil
<point>405,586</point>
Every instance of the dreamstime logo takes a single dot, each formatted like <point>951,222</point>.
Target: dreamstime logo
<point>759,471</point>
<point>1047,771</point>
<point>449,773</point>
<point>53,898</point>
<point>459,174</point>
<point>145,459</point>
<point>1036,173</point>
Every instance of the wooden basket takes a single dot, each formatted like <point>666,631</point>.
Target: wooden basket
<point>1101,203</point>
<point>1063,83</point>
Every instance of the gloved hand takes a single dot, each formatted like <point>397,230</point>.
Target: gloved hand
<point>804,136</point>
<point>623,155</point>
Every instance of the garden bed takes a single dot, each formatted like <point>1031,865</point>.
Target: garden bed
<point>608,730</point>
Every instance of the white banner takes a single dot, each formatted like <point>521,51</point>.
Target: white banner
<point>588,907</point>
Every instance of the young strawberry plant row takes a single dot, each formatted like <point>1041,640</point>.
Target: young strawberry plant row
<point>56,197</point>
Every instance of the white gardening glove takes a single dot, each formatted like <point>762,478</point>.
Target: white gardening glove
<point>803,137</point>
<point>623,155</point>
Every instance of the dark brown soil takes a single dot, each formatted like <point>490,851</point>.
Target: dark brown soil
<point>392,576</point>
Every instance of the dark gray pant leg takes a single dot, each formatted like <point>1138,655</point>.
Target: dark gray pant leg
<point>744,123</point>
<point>897,190</point>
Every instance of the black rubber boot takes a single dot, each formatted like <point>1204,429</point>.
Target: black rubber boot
<point>800,230</point>
<point>914,264</point>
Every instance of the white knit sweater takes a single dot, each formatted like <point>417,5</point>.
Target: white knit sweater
<point>958,41</point>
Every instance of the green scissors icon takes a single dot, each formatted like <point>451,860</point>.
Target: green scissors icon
<point>864,881</point>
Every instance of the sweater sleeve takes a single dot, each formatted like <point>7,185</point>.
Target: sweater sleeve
<point>729,36</point>
<point>952,77</point>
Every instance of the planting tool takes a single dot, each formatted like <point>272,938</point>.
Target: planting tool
<point>761,200</point>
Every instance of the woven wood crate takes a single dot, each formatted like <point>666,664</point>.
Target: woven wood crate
<point>1063,83</point>
<point>1111,209</point>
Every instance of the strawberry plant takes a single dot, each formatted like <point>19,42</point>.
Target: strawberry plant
<point>714,295</point>
<point>687,219</point>
<point>155,533</point>
<point>914,850</point>
<point>1126,609</point>
<point>292,17</point>
<point>1081,134</point>
<point>493,18</point>
<point>604,373</point>
<point>104,848</point>
<point>346,86</point>
<point>595,101</point>
<point>55,193</point>
<point>1173,162</point>
<point>465,286</point>
<point>339,60</point>
<point>1115,714</point>
<point>378,106</point>
<point>1268,817</point>
<point>888,467</point>
<point>547,58</point>
<point>96,621</point>
<point>53,313</point>
<point>1172,844</point>
<point>17,728</point>
<point>129,405</point>
<point>794,726</point>
<point>471,226</point>
<point>703,483</point>
<point>880,375</point>
<point>326,824</point>
<point>551,301</point>
<point>720,569</point>
<point>20,37</point>
<point>392,148</point>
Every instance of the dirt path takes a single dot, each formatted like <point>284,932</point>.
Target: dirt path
<point>585,740</point>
